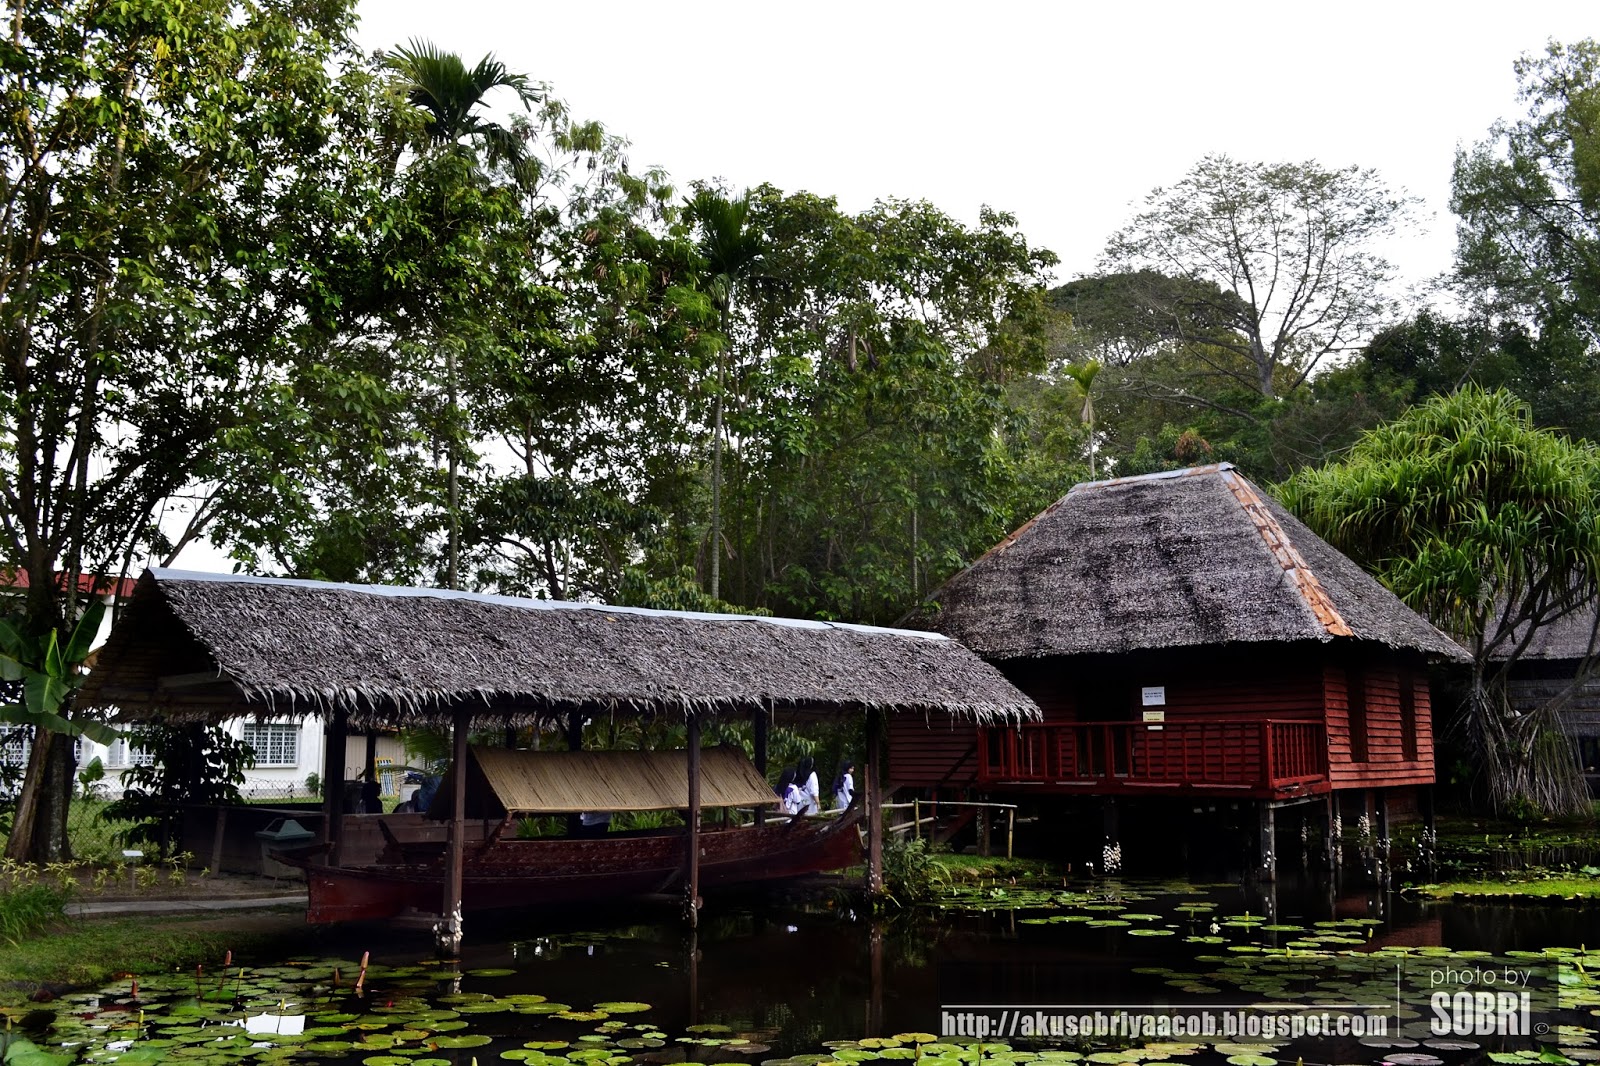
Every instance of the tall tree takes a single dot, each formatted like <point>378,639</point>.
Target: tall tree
<point>1491,528</point>
<point>151,233</point>
<point>1290,249</point>
<point>452,95</point>
<point>732,248</point>
<point>1528,199</point>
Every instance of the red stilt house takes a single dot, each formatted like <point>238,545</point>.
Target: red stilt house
<point>1185,636</point>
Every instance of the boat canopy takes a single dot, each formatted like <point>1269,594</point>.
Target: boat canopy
<point>502,781</point>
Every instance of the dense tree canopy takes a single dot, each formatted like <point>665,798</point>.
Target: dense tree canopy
<point>1491,528</point>
<point>404,317</point>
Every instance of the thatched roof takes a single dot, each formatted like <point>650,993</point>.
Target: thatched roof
<point>210,646</point>
<point>501,781</point>
<point>1566,638</point>
<point>1195,557</point>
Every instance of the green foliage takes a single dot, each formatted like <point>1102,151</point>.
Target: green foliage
<point>90,778</point>
<point>190,765</point>
<point>26,909</point>
<point>911,872</point>
<point>1491,528</point>
<point>1529,200</point>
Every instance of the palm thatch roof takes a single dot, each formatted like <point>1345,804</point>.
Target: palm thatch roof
<point>1573,636</point>
<point>501,781</point>
<point>1195,557</point>
<point>209,646</point>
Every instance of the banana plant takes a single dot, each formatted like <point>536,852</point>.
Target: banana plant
<point>50,672</point>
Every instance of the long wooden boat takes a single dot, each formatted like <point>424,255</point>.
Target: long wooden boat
<point>502,785</point>
<point>519,873</point>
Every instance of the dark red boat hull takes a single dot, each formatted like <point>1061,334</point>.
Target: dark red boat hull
<point>519,873</point>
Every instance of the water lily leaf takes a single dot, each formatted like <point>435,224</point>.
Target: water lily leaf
<point>471,1040</point>
<point>1252,1060</point>
<point>491,971</point>
<point>622,1007</point>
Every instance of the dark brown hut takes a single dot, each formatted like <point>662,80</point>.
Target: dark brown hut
<point>206,647</point>
<point>1184,634</point>
<point>1558,670</point>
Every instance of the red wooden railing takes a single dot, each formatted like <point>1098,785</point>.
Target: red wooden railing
<point>1200,754</point>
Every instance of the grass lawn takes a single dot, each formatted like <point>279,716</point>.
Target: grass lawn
<point>94,951</point>
<point>976,867</point>
<point>1577,887</point>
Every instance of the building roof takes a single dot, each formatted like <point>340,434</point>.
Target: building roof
<point>121,587</point>
<point>211,646</point>
<point>1195,557</point>
<point>1568,637</point>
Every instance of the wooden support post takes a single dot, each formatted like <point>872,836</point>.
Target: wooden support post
<point>1381,845</point>
<point>574,733</point>
<point>1430,832</point>
<point>760,724</point>
<point>1267,848</point>
<point>1333,832</point>
<point>916,818</point>
<point>369,770</point>
<point>872,786</point>
<point>448,931</point>
<point>1111,850</point>
<point>694,820</point>
<point>984,821</point>
<point>875,979</point>
<point>333,755</point>
<point>1011,830</point>
<point>216,840</point>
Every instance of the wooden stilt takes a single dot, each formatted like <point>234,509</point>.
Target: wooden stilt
<point>1111,850</point>
<point>984,825</point>
<point>875,980</point>
<point>872,789</point>
<point>1380,824</point>
<point>694,821</point>
<point>369,764</point>
<point>1430,832</point>
<point>574,733</point>
<point>1267,871</point>
<point>333,755</point>
<point>448,931</point>
<point>761,723</point>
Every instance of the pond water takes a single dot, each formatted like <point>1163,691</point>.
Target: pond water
<point>804,980</point>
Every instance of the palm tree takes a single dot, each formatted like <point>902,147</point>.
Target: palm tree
<point>439,83</point>
<point>732,249</point>
<point>1083,375</point>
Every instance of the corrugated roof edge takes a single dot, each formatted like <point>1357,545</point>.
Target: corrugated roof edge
<point>400,591</point>
<point>1159,475</point>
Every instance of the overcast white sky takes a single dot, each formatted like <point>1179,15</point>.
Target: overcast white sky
<point>1063,114</point>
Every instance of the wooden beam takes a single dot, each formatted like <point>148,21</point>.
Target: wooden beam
<point>195,680</point>
<point>448,931</point>
<point>874,802</point>
<point>333,753</point>
<point>694,820</point>
<point>761,724</point>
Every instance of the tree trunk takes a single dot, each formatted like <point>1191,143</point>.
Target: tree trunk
<point>50,843</point>
<point>716,489</point>
<point>19,846</point>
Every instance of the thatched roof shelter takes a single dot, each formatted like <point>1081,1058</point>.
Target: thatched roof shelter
<point>208,646</point>
<point>1190,558</point>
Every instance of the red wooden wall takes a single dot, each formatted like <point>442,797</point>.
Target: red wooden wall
<point>1239,684</point>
